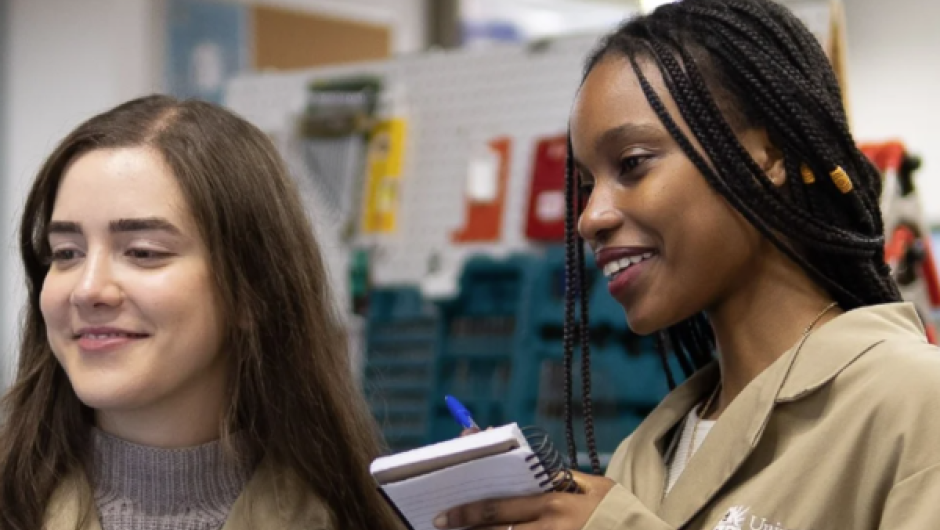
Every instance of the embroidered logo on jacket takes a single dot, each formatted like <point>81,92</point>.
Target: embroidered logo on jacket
<point>736,519</point>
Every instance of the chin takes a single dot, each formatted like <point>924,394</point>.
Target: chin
<point>641,330</point>
<point>642,327</point>
<point>107,395</point>
<point>644,322</point>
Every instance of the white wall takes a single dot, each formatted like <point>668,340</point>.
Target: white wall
<point>66,61</point>
<point>69,59</point>
<point>894,79</point>
<point>4,52</point>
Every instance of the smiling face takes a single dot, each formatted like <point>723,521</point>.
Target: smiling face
<point>670,245</point>
<point>128,300</point>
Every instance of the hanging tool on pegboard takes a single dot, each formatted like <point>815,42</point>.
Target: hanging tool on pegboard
<point>334,129</point>
<point>907,234</point>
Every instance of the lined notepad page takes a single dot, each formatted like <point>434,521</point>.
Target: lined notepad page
<point>421,499</point>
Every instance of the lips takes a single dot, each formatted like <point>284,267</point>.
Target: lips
<point>623,266</point>
<point>100,340</point>
<point>612,269</point>
<point>110,335</point>
<point>615,260</point>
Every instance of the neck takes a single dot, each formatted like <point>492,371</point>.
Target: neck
<point>759,324</point>
<point>187,417</point>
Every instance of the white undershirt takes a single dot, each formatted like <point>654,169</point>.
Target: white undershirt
<point>684,446</point>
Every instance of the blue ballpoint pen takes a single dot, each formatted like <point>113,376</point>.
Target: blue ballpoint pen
<point>460,413</point>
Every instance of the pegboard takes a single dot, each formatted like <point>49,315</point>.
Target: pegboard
<point>453,102</point>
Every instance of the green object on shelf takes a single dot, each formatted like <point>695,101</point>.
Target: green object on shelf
<point>359,281</point>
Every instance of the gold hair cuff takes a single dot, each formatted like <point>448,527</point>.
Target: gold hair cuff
<point>841,179</point>
<point>807,173</point>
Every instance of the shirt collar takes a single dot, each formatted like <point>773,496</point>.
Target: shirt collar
<point>835,345</point>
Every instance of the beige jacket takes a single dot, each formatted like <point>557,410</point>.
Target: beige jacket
<point>271,501</point>
<point>844,434</point>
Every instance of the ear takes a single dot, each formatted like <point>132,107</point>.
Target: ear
<point>768,157</point>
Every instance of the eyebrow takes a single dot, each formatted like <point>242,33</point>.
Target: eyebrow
<point>628,132</point>
<point>623,134</point>
<point>145,224</point>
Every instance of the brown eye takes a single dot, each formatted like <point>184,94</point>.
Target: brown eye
<point>66,254</point>
<point>631,163</point>
<point>145,254</point>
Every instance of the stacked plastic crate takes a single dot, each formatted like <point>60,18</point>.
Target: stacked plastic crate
<point>498,347</point>
<point>626,373</point>
<point>402,354</point>
<point>478,342</point>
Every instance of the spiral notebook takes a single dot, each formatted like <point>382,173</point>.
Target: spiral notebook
<point>503,462</point>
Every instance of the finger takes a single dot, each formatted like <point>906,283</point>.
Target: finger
<point>583,480</point>
<point>472,430</point>
<point>494,512</point>
<point>592,484</point>
<point>532,525</point>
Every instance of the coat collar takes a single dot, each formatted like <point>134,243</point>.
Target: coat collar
<point>795,374</point>
<point>72,501</point>
<point>277,498</point>
<point>846,337</point>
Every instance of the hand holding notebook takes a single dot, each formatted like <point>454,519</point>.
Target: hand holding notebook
<point>496,463</point>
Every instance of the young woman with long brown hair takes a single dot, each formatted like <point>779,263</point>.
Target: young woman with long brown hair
<point>181,363</point>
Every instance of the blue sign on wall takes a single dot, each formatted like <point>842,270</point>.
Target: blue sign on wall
<point>208,45</point>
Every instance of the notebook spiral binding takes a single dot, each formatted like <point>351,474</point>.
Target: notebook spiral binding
<point>551,466</point>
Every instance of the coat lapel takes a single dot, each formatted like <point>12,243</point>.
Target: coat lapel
<point>276,498</point>
<point>646,472</point>
<point>728,444</point>
<point>66,505</point>
<point>733,438</point>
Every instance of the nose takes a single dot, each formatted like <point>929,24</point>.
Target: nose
<point>600,218</point>
<point>96,287</point>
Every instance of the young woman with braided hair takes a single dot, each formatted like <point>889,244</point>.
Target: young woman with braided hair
<point>714,175</point>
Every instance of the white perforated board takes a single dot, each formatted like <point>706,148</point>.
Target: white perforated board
<point>452,102</point>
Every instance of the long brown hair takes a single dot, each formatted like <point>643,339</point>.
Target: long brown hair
<point>292,391</point>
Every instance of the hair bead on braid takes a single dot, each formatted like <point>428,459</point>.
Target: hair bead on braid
<point>807,174</point>
<point>731,64</point>
<point>841,180</point>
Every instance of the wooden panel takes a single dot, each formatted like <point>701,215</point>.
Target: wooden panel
<point>285,39</point>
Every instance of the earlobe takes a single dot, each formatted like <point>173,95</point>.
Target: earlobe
<point>775,168</point>
<point>767,156</point>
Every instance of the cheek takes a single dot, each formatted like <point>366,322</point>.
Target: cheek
<point>715,237</point>
<point>701,230</point>
<point>183,307</point>
<point>54,304</point>
<point>53,300</point>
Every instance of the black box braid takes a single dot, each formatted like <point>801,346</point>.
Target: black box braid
<point>730,64</point>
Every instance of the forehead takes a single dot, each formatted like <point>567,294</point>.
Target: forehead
<point>611,96</point>
<point>118,183</point>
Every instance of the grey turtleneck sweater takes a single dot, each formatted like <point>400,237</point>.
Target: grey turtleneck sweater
<point>146,488</point>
